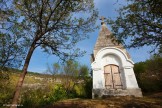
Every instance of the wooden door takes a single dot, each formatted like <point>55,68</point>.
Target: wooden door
<point>108,77</point>
<point>112,77</point>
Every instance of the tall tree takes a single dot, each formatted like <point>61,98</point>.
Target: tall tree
<point>12,46</point>
<point>84,71</point>
<point>54,69</point>
<point>71,68</point>
<point>53,25</point>
<point>12,52</point>
<point>141,21</point>
<point>71,72</point>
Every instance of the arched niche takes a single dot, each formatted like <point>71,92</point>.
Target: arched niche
<point>111,59</point>
<point>117,55</point>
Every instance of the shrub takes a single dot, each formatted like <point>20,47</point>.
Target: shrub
<point>149,74</point>
<point>34,98</point>
<point>40,97</point>
<point>84,90</point>
<point>57,93</point>
<point>88,88</point>
<point>6,89</point>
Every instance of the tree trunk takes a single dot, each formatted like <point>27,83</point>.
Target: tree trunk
<point>22,77</point>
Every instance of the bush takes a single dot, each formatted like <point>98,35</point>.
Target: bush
<point>34,98</point>
<point>6,89</point>
<point>41,97</point>
<point>84,90</point>
<point>149,74</point>
<point>150,85</point>
<point>88,88</point>
<point>58,93</point>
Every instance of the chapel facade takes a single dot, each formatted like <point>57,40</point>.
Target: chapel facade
<point>112,68</point>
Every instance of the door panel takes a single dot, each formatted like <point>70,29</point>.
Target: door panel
<point>108,77</point>
<point>115,69</point>
<point>117,81</point>
<point>116,77</point>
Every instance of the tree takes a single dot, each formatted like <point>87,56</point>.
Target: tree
<point>12,46</point>
<point>149,74</point>
<point>71,72</point>
<point>4,11</point>
<point>53,25</point>
<point>141,21</point>
<point>54,70</point>
<point>12,52</point>
<point>71,68</point>
<point>83,71</point>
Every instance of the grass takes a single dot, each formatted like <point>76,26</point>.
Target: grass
<point>41,96</point>
<point>151,101</point>
<point>37,90</point>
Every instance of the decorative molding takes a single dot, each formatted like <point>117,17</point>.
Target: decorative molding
<point>96,69</point>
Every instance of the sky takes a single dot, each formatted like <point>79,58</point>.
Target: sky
<point>106,8</point>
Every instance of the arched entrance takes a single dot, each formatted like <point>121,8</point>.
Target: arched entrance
<point>112,77</point>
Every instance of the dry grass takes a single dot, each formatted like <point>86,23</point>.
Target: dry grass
<point>151,101</point>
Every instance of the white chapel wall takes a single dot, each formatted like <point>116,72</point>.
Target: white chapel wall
<point>110,55</point>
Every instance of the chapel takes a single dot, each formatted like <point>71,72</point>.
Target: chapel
<point>112,68</point>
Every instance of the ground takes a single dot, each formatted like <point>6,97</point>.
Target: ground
<point>148,101</point>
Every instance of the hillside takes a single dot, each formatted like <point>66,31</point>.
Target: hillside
<point>41,89</point>
<point>46,91</point>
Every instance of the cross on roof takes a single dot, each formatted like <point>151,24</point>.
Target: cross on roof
<point>102,18</point>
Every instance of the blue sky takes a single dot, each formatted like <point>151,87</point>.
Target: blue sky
<point>106,8</point>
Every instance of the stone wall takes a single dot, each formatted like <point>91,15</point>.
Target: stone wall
<point>102,93</point>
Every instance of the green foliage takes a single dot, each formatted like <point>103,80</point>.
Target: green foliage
<point>71,68</point>
<point>88,87</point>
<point>72,79</point>
<point>5,95</point>
<point>150,85</point>
<point>42,96</point>
<point>53,24</point>
<point>79,90</point>
<point>12,51</point>
<point>58,93</point>
<point>54,69</point>
<point>6,88</point>
<point>12,45</point>
<point>139,21</point>
<point>140,68</point>
<point>49,24</point>
<point>84,71</point>
<point>82,89</point>
<point>45,94</point>
<point>56,66</point>
<point>155,64</point>
<point>33,98</point>
<point>149,74</point>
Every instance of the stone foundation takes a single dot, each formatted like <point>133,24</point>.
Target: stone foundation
<point>100,93</point>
